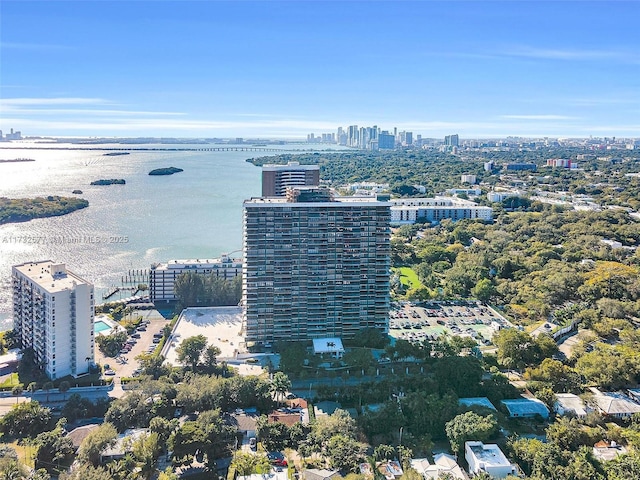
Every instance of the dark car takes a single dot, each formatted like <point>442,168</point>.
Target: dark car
<point>277,459</point>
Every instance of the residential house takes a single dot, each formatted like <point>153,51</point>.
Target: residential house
<point>476,402</point>
<point>614,404</point>
<point>77,435</point>
<point>570,404</point>
<point>442,464</point>
<point>605,451</point>
<point>488,458</point>
<point>123,444</point>
<point>525,408</point>
<point>245,423</point>
<point>320,474</point>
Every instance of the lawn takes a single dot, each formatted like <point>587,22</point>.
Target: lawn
<point>409,278</point>
<point>11,381</point>
<point>25,452</point>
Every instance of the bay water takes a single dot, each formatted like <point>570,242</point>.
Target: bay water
<point>194,214</point>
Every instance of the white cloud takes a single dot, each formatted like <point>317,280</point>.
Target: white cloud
<point>570,54</point>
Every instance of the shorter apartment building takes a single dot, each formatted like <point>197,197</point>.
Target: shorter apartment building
<point>162,276</point>
<point>488,458</point>
<point>53,312</point>
<point>407,211</point>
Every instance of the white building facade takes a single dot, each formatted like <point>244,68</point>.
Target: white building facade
<point>162,276</point>
<point>406,211</point>
<point>488,458</point>
<point>53,311</point>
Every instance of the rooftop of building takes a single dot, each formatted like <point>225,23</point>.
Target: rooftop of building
<point>490,453</point>
<point>51,276</point>
<point>613,403</point>
<point>526,406</point>
<point>570,401</point>
<point>335,202</point>
<point>442,464</point>
<point>439,201</point>
<point>198,263</point>
<point>272,167</point>
<point>327,345</point>
<point>476,402</point>
<point>220,325</point>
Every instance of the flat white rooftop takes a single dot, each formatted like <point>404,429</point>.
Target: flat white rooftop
<point>51,276</point>
<point>337,202</point>
<point>199,263</point>
<point>490,454</point>
<point>327,345</point>
<point>220,325</point>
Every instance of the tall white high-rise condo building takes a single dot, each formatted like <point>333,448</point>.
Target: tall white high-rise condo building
<point>53,312</point>
<point>277,178</point>
<point>315,266</point>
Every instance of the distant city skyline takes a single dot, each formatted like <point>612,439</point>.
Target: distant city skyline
<point>284,69</point>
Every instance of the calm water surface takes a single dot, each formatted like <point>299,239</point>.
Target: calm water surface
<point>193,214</point>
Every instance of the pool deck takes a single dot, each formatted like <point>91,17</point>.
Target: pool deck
<point>221,326</point>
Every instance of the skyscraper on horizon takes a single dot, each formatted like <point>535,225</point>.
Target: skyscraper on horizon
<point>53,311</point>
<point>315,266</point>
<point>452,140</point>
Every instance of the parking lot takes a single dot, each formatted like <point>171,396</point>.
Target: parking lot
<point>125,364</point>
<point>428,320</point>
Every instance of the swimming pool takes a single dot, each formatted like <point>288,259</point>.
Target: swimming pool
<point>100,326</point>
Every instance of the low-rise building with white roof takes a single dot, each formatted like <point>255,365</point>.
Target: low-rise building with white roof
<point>162,276</point>
<point>442,464</point>
<point>407,211</point>
<point>570,404</point>
<point>476,402</point>
<point>330,346</point>
<point>614,404</point>
<point>488,458</point>
<point>525,408</point>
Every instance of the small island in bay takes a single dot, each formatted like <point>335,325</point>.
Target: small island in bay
<point>111,181</point>
<point>165,171</point>
<point>24,209</point>
<point>14,160</point>
<point>114,154</point>
<point>77,192</point>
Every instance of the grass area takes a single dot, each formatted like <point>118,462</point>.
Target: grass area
<point>408,277</point>
<point>25,452</point>
<point>10,381</point>
<point>533,326</point>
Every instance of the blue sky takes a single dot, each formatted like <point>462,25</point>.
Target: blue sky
<point>285,69</point>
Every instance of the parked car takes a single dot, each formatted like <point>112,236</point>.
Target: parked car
<point>135,335</point>
<point>109,372</point>
<point>253,443</point>
<point>277,459</point>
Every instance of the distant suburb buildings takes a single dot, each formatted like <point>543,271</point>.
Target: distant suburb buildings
<point>53,314</point>
<point>406,211</point>
<point>315,265</point>
<point>277,178</point>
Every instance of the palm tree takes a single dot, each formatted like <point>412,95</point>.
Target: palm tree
<point>280,385</point>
